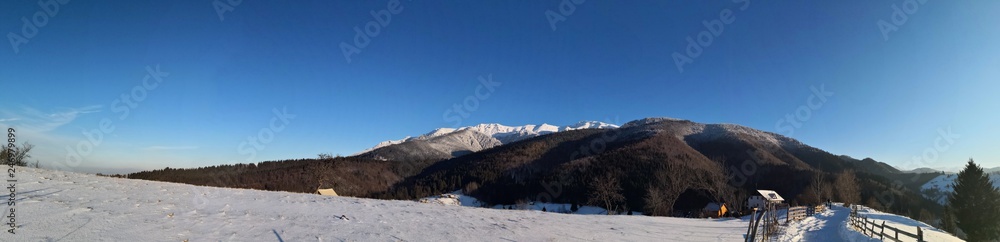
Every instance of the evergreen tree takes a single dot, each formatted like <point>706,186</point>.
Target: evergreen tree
<point>974,204</point>
<point>948,220</point>
<point>543,209</point>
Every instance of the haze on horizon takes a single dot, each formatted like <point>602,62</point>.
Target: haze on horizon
<point>187,84</point>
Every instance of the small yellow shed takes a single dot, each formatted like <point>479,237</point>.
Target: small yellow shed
<point>327,192</point>
<point>715,210</point>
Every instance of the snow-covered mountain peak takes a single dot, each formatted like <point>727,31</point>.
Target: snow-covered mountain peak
<point>646,121</point>
<point>494,128</point>
<point>502,133</point>
<point>591,125</point>
<point>439,132</point>
<point>546,128</point>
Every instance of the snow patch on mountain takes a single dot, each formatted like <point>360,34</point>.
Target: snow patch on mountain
<point>502,133</point>
<point>937,189</point>
<point>590,125</point>
<point>388,143</point>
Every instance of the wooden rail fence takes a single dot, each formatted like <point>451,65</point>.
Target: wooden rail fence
<point>876,230</point>
<point>814,210</point>
<point>767,228</point>
<point>796,213</point>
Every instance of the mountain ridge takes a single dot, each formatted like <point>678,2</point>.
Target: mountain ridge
<point>693,163</point>
<point>675,160</point>
<point>448,142</point>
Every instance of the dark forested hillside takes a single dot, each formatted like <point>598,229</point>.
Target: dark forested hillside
<point>672,160</point>
<point>348,176</point>
<point>564,167</point>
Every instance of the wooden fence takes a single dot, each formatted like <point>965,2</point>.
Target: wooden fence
<point>796,213</point>
<point>767,220</point>
<point>876,230</point>
<point>810,211</point>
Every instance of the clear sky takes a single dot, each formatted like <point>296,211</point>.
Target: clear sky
<point>221,78</point>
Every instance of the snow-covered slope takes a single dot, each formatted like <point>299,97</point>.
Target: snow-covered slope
<point>501,133</point>
<point>61,206</point>
<point>937,189</point>
<point>456,198</point>
<point>833,225</point>
<point>906,224</point>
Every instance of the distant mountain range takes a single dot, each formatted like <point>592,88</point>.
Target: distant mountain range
<point>950,170</point>
<point>651,160</point>
<point>446,143</point>
<point>940,187</point>
<point>692,163</point>
<point>922,170</point>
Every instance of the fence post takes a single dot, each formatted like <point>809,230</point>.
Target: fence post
<point>920,235</point>
<point>873,228</point>
<point>864,225</point>
<point>866,228</point>
<point>881,234</point>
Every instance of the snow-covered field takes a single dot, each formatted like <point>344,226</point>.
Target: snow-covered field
<point>456,198</point>
<point>907,224</point>
<point>834,225</point>
<point>63,206</point>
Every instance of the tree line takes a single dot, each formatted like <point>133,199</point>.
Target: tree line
<point>347,175</point>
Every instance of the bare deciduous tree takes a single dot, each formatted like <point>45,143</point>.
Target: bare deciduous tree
<point>847,187</point>
<point>817,186</point>
<point>739,200</point>
<point>17,155</point>
<point>325,156</point>
<point>666,188</point>
<point>470,188</point>
<point>656,202</point>
<point>715,181</point>
<point>607,191</point>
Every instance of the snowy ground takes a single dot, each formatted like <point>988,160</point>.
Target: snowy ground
<point>61,206</point>
<point>456,198</point>
<point>833,225</point>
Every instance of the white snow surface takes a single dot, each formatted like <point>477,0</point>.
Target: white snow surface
<point>834,225</point>
<point>457,198</point>
<point>65,206</point>
<point>937,189</point>
<point>504,134</point>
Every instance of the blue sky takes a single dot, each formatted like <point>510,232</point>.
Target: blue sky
<point>220,79</point>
